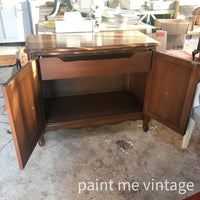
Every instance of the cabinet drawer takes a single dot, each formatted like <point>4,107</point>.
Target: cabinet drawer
<point>61,68</point>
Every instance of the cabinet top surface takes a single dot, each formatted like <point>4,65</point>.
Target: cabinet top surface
<point>87,41</point>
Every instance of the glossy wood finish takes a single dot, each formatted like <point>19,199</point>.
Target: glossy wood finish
<point>23,99</point>
<point>83,43</point>
<point>137,63</point>
<point>170,90</point>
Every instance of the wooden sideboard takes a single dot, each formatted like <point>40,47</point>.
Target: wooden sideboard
<point>90,79</point>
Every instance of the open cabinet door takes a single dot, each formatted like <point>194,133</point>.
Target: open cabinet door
<point>170,90</point>
<point>24,103</point>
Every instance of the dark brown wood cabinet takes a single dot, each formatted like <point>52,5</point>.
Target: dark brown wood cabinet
<point>96,79</point>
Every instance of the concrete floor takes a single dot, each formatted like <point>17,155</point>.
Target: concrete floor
<point>121,153</point>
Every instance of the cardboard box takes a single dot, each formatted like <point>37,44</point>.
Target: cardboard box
<point>176,31</point>
<point>160,36</point>
<point>175,41</point>
<point>172,26</point>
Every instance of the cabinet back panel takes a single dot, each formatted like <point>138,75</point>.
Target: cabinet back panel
<point>86,85</point>
<point>90,105</point>
<point>138,85</point>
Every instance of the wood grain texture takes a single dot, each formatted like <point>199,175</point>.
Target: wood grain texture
<point>24,103</point>
<point>138,85</point>
<point>170,90</point>
<point>55,68</point>
<point>74,43</point>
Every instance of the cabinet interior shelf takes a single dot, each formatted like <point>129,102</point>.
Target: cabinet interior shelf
<point>87,106</point>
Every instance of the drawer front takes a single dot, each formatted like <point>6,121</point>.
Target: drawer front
<point>57,68</point>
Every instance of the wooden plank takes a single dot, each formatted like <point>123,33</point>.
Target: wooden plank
<point>176,9</point>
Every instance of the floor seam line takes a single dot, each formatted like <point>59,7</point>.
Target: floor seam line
<point>6,145</point>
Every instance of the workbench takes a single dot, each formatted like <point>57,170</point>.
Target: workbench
<point>91,79</point>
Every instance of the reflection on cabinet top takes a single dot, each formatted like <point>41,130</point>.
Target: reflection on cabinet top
<point>55,44</point>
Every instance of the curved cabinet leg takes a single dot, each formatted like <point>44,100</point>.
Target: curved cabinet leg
<point>41,140</point>
<point>145,123</point>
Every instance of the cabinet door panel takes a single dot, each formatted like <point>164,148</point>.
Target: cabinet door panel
<point>170,90</point>
<point>24,103</point>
